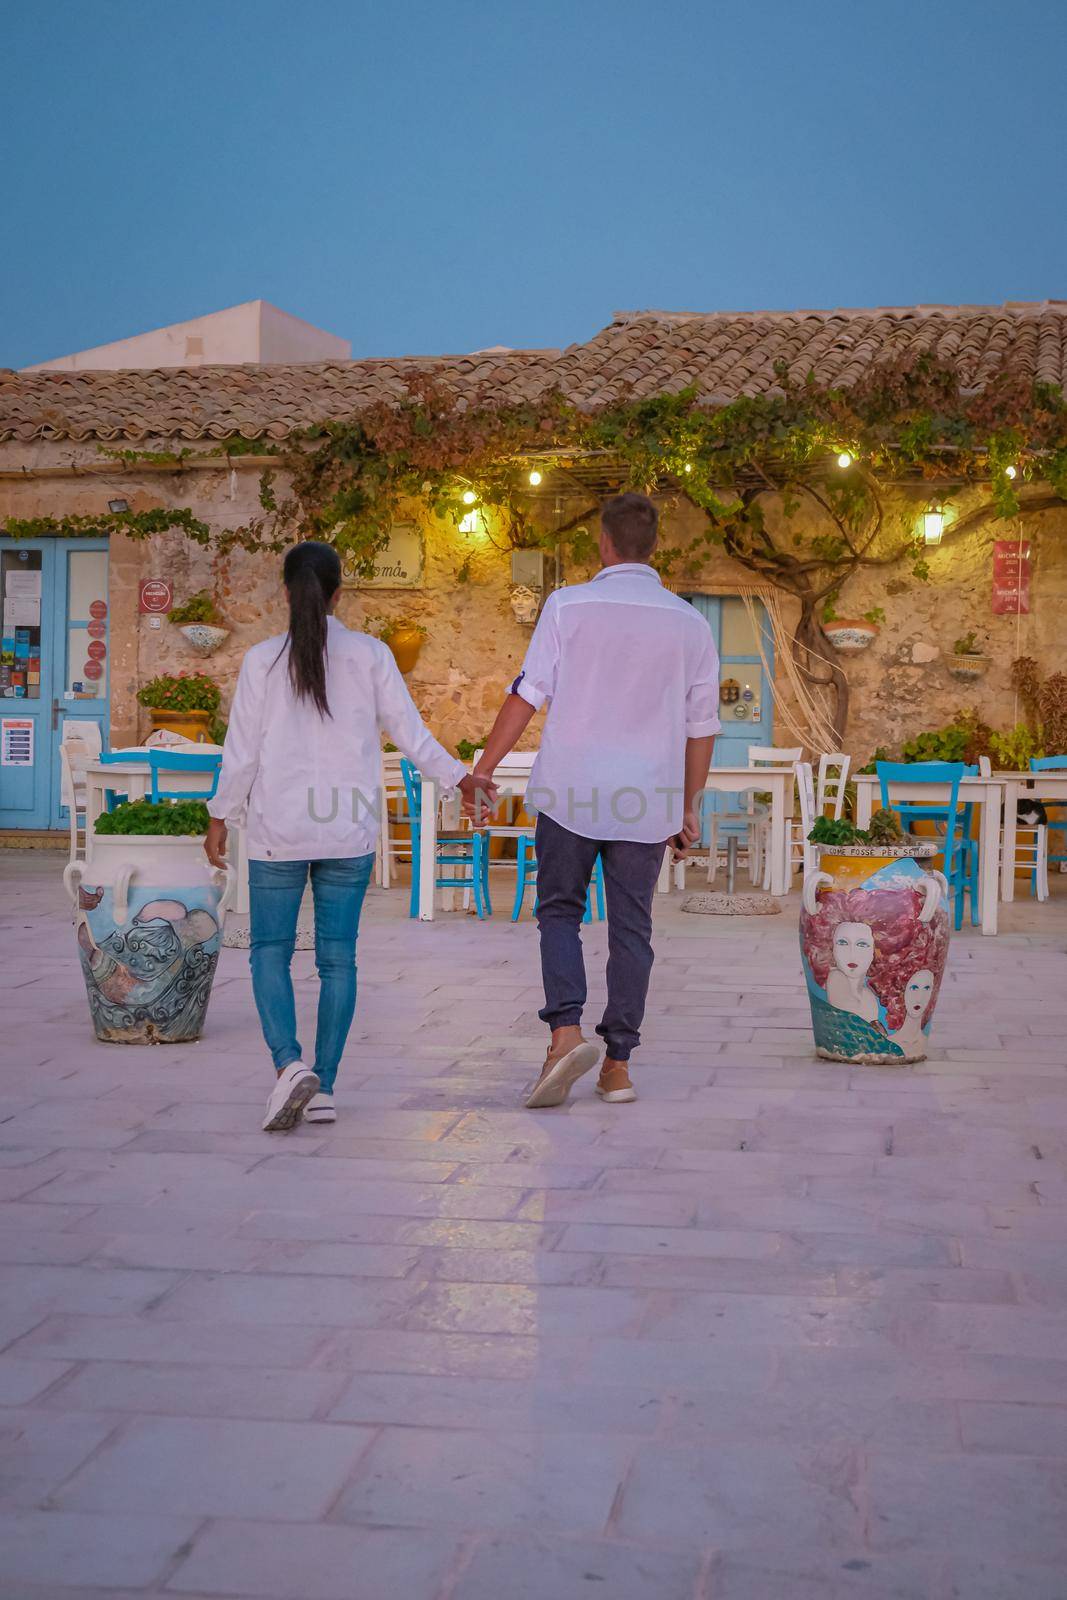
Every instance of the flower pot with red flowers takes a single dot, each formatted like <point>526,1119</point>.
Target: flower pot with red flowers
<point>186,704</point>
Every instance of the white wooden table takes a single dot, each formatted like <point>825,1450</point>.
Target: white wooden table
<point>987,793</point>
<point>1050,786</point>
<point>512,775</point>
<point>778,783</point>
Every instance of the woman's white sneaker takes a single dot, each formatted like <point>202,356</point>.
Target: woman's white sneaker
<point>320,1109</point>
<point>295,1087</point>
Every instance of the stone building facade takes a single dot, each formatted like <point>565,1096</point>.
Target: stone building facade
<point>61,435</point>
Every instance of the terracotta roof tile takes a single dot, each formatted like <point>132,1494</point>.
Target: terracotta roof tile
<point>724,354</point>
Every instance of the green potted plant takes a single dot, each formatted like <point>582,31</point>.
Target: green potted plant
<point>850,635</point>
<point>148,914</point>
<point>201,623</point>
<point>467,749</point>
<point>186,703</point>
<point>969,661</point>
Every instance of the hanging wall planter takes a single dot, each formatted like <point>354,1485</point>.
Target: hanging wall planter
<point>968,668</point>
<point>850,635</point>
<point>204,638</point>
<point>405,639</point>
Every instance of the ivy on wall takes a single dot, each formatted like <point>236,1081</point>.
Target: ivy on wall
<point>750,466</point>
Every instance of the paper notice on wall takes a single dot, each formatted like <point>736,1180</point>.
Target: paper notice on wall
<point>22,613</point>
<point>16,741</point>
<point>22,585</point>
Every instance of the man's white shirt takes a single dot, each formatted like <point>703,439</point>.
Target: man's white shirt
<point>631,672</point>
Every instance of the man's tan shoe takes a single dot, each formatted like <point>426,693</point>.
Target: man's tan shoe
<point>615,1084</point>
<point>561,1071</point>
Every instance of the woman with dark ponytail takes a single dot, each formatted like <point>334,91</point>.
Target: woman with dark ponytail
<point>302,766</point>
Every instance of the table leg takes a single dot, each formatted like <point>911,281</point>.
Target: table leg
<point>427,850</point>
<point>664,883</point>
<point>988,859</point>
<point>239,849</point>
<point>864,804</point>
<point>1011,820</point>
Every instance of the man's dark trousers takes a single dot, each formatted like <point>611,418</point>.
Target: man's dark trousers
<point>565,864</point>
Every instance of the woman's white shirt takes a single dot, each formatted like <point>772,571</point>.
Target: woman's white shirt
<point>308,787</point>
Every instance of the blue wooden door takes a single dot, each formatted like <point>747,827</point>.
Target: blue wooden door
<point>54,648</point>
<point>746,705</point>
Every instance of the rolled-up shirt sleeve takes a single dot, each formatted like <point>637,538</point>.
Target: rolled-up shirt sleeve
<point>702,690</point>
<point>536,683</point>
<point>240,751</point>
<point>399,716</point>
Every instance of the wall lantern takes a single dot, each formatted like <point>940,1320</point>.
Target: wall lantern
<point>845,459</point>
<point>471,523</point>
<point>933,524</point>
<point>118,505</point>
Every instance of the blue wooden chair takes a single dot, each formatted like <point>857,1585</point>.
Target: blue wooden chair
<point>1053,764</point>
<point>113,758</point>
<point>470,850</point>
<point>960,850</point>
<point>526,879</point>
<point>163,761</point>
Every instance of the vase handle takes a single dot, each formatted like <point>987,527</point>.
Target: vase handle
<point>225,879</point>
<point>935,890</point>
<point>72,880</point>
<point>120,892</point>
<point>813,882</point>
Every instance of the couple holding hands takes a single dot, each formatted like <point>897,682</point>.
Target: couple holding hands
<point>631,678</point>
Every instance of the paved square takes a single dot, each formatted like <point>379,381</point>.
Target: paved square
<point>782,1330</point>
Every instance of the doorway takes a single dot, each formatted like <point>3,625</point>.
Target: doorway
<point>746,704</point>
<point>54,666</point>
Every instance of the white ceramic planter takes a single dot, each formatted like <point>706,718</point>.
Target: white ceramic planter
<point>968,669</point>
<point>148,913</point>
<point>204,637</point>
<point>849,636</point>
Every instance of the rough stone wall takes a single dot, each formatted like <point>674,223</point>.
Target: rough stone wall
<point>474,646</point>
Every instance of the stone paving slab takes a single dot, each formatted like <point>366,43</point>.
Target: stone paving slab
<point>782,1330</point>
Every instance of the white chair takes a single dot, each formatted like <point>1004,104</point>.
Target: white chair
<point>390,849</point>
<point>1031,851</point>
<point>833,776</point>
<point>75,754</point>
<point>802,852</point>
<point>767,755</point>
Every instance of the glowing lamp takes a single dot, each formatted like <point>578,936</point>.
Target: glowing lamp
<point>471,523</point>
<point>933,524</point>
<point>1009,472</point>
<point>845,459</point>
<point>535,478</point>
<point>689,466</point>
<point>469,497</point>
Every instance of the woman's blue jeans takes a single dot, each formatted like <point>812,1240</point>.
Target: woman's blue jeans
<point>276,889</point>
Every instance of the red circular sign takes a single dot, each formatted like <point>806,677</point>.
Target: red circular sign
<point>156,595</point>
<point>92,669</point>
<point>96,650</point>
<point>97,630</point>
<point>98,608</point>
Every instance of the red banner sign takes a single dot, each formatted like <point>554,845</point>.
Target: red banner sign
<point>156,596</point>
<point>1011,577</point>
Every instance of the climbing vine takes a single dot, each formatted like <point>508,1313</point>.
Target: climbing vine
<point>750,466</point>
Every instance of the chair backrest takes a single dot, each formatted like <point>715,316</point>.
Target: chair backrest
<point>833,776</point>
<point>806,793</point>
<point>1048,763</point>
<point>949,773</point>
<point>125,758</point>
<point>768,755</point>
<point>163,761</point>
<point>83,731</point>
<point>985,767</point>
<point>69,778</point>
<point>412,789</point>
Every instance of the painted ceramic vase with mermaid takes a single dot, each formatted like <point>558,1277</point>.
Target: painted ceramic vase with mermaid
<point>874,934</point>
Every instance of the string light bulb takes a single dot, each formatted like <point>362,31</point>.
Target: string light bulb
<point>535,478</point>
<point>469,497</point>
<point>845,459</point>
<point>689,466</point>
<point>1010,471</point>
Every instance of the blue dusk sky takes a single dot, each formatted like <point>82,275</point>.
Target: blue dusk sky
<point>436,177</point>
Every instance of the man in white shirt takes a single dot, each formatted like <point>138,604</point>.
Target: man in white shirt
<point>632,678</point>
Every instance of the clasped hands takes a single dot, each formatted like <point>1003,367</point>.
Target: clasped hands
<point>480,793</point>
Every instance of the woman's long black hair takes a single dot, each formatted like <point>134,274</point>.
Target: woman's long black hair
<point>312,574</point>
